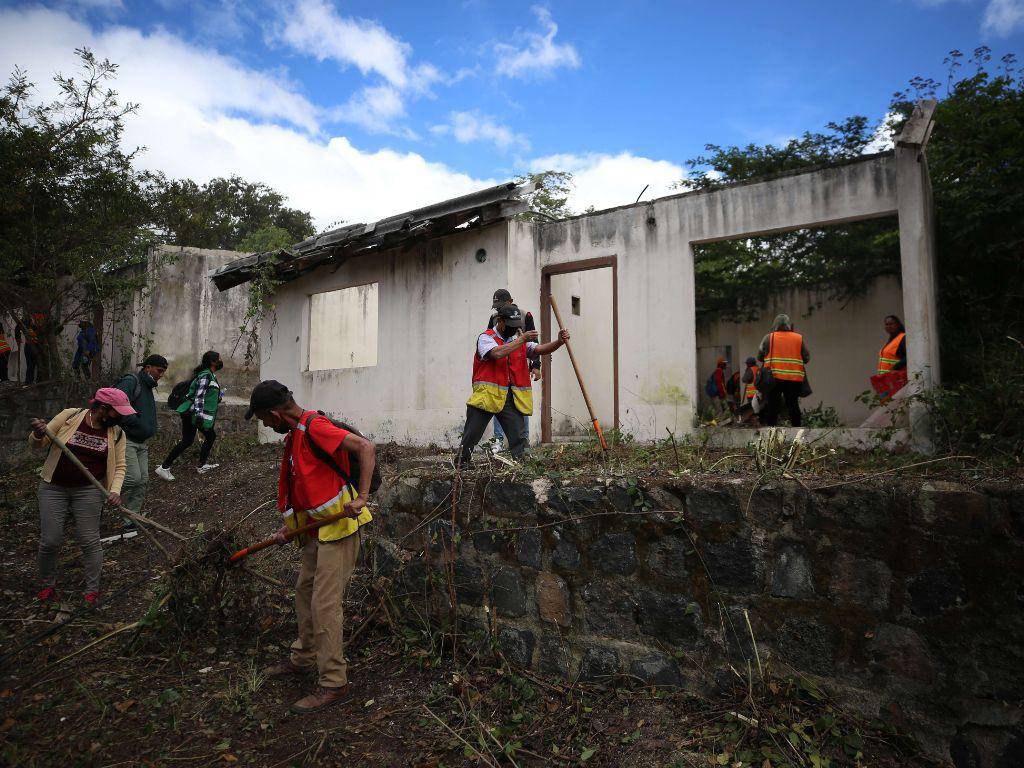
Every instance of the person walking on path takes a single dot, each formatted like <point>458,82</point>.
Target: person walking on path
<point>5,354</point>
<point>198,414</point>
<point>501,382</point>
<point>93,436</point>
<point>749,383</point>
<point>784,353</point>
<point>315,482</point>
<point>139,429</point>
<point>893,354</point>
<point>500,299</point>
<point>87,347</point>
<point>27,335</point>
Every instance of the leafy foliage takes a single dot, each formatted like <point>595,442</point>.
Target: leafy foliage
<point>229,213</point>
<point>551,199</point>
<point>73,209</point>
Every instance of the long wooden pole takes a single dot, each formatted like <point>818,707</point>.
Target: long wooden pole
<point>579,376</point>
<point>243,553</point>
<point>97,484</point>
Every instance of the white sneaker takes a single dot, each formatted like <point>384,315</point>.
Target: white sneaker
<point>163,473</point>
<point>207,467</point>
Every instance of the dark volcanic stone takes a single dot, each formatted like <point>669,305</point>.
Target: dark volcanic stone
<point>807,645</point>
<point>731,563</point>
<point>964,752</point>
<point>608,610</point>
<point>566,557</point>
<point>657,669</point>
<point>489,541</point>
<point>574,499</point>
<point>554,657</point>
<point>511,498</point>
<point>902,652</point>
<point>469,583</point>
<point>517,645</point>
<point>439,536</point>
<point>614,553</point>
<point>620,498</point>
<point>507,593</point>
<point>860,581</point>
<point>437,496</point>
<point>704,507</point>
<point>528,544</point>
<point>672,618</point>
<point>792,577</point>
<point>598,663</point>
<point>666,557</point>
<point>933,592</point>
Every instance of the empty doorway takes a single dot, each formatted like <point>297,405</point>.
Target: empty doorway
<point>587,296</point>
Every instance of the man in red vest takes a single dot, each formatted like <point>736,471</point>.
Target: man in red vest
<point>502,385</point>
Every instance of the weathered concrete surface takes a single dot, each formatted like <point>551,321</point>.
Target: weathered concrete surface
<point>904,599</point>
<point>181,315</point>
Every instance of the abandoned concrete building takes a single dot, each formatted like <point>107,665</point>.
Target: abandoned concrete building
<point>377,322</point>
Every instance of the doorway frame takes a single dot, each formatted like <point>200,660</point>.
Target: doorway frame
<point>566,267</point>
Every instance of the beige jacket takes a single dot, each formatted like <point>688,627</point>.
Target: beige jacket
<point>64,425</point>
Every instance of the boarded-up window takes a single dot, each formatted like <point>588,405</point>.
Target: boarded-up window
<point>343,328</point>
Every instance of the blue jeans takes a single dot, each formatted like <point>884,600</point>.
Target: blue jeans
<point>499,433</point>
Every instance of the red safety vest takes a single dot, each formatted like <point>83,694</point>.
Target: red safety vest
<point>492,379</point>
<point>751,390</point>
<point>785,356</point>
<point>889,355</point>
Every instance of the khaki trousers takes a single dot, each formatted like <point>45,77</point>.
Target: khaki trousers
<point>324,573</point>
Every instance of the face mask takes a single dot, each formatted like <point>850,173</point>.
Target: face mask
<point>109,421</point>
<point>509,333</point>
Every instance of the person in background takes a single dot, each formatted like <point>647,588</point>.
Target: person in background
<point>893,355</point>
<point>720,398</point>
<point>94,438</point>
<point>139,429</point>
<point>198,414</point>
<point>5,354</point>
<point>749,384</point>
<point>784,353</point>
<point>500,299</point>
<point>27,334</point>
<point>87,346</point>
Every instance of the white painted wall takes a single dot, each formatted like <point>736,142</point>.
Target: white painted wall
<point>433,302</point>
<point>592,344</point>
<point>843,338</point>
<point>343,328</point>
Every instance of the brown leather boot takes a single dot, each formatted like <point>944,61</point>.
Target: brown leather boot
<point>324,697</point>
<point>287,668</point>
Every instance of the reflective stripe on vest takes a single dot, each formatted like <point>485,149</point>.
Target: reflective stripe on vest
<point>492,379</point>
<point>785,356</point>
<point>4,346</point>
<point>751,389</point>
<point>889,355</point>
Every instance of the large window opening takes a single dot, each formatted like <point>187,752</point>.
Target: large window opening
<point>343,328</point>
<point>837,285</point>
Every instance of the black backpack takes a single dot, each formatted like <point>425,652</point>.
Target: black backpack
<point>136,390</point>
<point>178,394</point>
<point>353,460</point>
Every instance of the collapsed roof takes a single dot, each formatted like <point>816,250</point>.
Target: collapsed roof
<point>403,230</point>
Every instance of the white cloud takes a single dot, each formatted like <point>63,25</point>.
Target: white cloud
<point>374,108</point>
<point>1003,17</point>
<point>472,126</point>
<point>606,181</point>
<point>203,114</point>
<point>537,53</point>
<point>882,139</point>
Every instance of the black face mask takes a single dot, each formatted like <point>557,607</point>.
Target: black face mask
<point>109,421</point>
<point>509,333</point>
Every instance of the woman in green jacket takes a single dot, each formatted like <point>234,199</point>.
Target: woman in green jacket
<point>198,414</point>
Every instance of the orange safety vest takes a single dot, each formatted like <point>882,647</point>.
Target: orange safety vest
<point>785,356</point>
<point>5,346</point>
<point>492,379</point>
<point>889,355</point>
<point>751,390</point>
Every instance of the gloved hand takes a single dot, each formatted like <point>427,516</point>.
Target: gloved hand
<point>279,537</point>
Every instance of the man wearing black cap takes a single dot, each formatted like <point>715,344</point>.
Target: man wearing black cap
<point>500,299</point>
<point>501,381</point>
<point>139,428</point>
<point>316,482</point>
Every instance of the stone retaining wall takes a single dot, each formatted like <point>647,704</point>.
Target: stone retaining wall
<point>905,600</point>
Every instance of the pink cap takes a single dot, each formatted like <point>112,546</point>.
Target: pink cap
<point>116,399</point>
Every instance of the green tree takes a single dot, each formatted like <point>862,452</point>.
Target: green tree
<point>223,213</point>
<point>73,208</point>
<point>266,239</point>
<point>551,199</point>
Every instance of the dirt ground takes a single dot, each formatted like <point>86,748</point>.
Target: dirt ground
<point>155,695</point>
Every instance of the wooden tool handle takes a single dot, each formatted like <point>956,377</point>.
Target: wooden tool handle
<point>579,377</point>
<point>243,553</point>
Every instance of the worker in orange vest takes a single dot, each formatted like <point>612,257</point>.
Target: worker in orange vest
<point>785,354</point>
<point>749,383</point>
<point>893,355</point>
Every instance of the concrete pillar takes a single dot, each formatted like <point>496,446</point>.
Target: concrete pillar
<point>917,257</point>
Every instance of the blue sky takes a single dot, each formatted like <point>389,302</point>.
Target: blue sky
<point>356,110</point>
